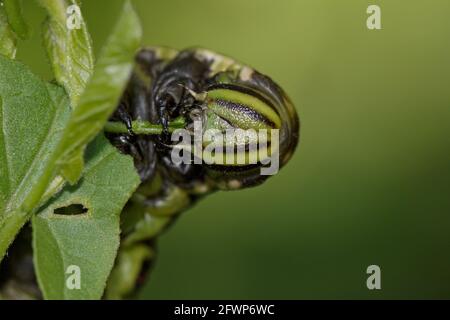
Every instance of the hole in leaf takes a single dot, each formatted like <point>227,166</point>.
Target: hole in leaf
<point>71,210</point>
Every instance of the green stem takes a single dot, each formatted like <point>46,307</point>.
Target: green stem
<point>143,127</point>
<point>15,18</point>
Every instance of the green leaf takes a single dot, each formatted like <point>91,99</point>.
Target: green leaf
<point>87,240</point>
<point>103,90</point>
<point>38,141</point>
<point>69,46</point>
<point>8,38</point>
<point>16,21</point>
<point>32,116</point>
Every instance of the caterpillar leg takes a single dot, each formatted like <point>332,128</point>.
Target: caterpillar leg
<point>152,209</point>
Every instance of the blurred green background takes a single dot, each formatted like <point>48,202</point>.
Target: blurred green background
<point>370,182</point>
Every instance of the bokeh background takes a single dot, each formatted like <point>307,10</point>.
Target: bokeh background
<point>370,182</point>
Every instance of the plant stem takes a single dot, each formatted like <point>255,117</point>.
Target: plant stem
<point>143,127</point>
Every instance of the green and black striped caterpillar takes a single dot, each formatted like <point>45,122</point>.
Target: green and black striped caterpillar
<point>195,84</point>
